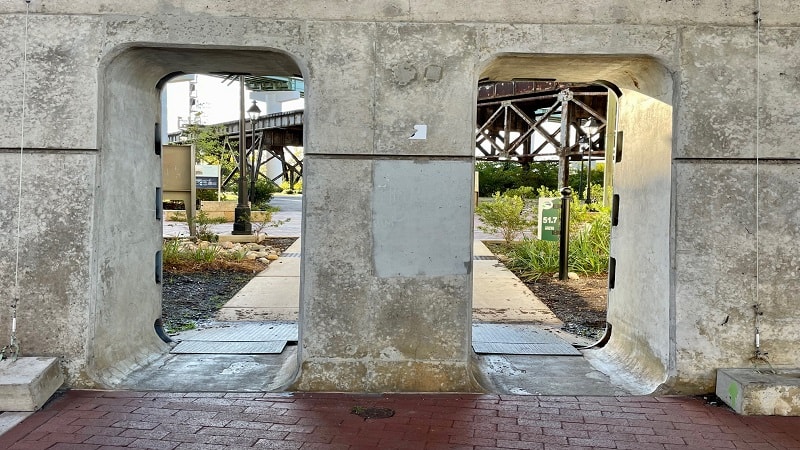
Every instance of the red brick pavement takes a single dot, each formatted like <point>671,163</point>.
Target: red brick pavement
<point>197,421</point>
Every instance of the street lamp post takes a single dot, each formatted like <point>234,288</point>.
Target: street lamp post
<point>252,113</point>
<point>241,215</point>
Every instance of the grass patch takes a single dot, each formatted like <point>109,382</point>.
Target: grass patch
<point>179,256</point>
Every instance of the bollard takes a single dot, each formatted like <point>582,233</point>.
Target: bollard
<point>563,241</point>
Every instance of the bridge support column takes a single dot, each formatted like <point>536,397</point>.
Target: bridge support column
<point>386,298</point>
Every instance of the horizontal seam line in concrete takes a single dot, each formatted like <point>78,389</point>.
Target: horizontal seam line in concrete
<point>387,157</point>
<point>48,150</point>
<point>739,160</point>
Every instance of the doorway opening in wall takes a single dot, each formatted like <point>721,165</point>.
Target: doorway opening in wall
<point>228,263</point>
<point>545,123</point>
<point>533,138</point>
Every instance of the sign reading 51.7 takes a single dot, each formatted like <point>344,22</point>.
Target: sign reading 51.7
<point>549,227</point>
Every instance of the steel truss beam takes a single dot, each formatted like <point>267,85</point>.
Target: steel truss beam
<point>518,122</point>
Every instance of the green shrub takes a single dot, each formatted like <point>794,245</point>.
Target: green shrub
<point>262,193</point>
<point>504,214</point>
<point>288,188</point>
<point>523,192</point>
<point>207,195</point>
<point>588,252</point>
<point>502,176</point>
<point>533,258</point>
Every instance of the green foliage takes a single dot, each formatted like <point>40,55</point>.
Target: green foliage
<point>237,255</point>
<point>533,258</point>
<point>209,147</point>
<point>202,223</point>
<point>502,176</point>
<point>261,193</point>
<point>504,214</point>
<point>577,181</point>
<point>588,250</point>
<point>172,251</point>
<point>177,328</point>
<point>204,254</point>
<point>524,192</point>
<point>207,195</point>
<point>544,191</point>
<point>288,188</point>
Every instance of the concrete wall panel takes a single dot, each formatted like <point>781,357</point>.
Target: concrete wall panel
<point>423,74</point>
<point>341,83</point>
<point>780,89</point>
<point>337,255</point>
<point>716,262</point>
<point>55,252</point>
<point>360,324</point>
<point>61,84</point>
<point>719,270</point>
<point>717,96</point>
<point>720,12</point>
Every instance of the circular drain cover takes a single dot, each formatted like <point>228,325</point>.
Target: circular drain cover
<point>372,413</point>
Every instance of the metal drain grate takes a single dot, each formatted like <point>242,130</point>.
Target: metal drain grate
<point>248,332</point>
<point>483,258</point>
<point>506,339</point>
<point>229,348</point>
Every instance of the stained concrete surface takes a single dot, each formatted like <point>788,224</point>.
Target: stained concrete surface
<point>502,298</point>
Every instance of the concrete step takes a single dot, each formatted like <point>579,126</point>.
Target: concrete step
<point>27,383</point>
<point>763,393</point>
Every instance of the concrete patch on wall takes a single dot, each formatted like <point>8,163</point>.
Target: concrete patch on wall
<point>415,204</point>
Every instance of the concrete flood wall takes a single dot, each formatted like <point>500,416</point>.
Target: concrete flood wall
<point>385,296</point>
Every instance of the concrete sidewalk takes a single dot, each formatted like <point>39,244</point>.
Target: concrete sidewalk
<point>95,420</point>
<point>498,295</point>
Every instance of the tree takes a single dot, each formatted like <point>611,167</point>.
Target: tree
<point>209,147</point>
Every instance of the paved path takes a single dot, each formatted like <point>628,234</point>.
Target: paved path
<point>111,420</point>
<point>498,295</point>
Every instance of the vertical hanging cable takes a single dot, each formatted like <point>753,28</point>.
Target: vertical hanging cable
<point>758,355</point>
<point>13,346</point>
<point>758,140</point>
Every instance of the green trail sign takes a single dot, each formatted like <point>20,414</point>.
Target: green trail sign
<point>549,218</point>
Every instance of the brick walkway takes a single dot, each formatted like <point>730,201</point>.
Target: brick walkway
<point>157,420</point>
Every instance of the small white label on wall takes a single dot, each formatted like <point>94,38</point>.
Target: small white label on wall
<point>420,132</point>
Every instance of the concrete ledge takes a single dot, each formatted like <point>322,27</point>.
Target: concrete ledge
<point>239,238</point>
<point>25,384</point>
<point>752,393</point>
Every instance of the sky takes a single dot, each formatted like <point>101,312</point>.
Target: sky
<point>218,100</point>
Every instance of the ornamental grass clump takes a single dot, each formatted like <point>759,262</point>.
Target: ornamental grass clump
<point>588,251</point>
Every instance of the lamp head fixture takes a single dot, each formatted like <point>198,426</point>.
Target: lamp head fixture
<point>253,112</point>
